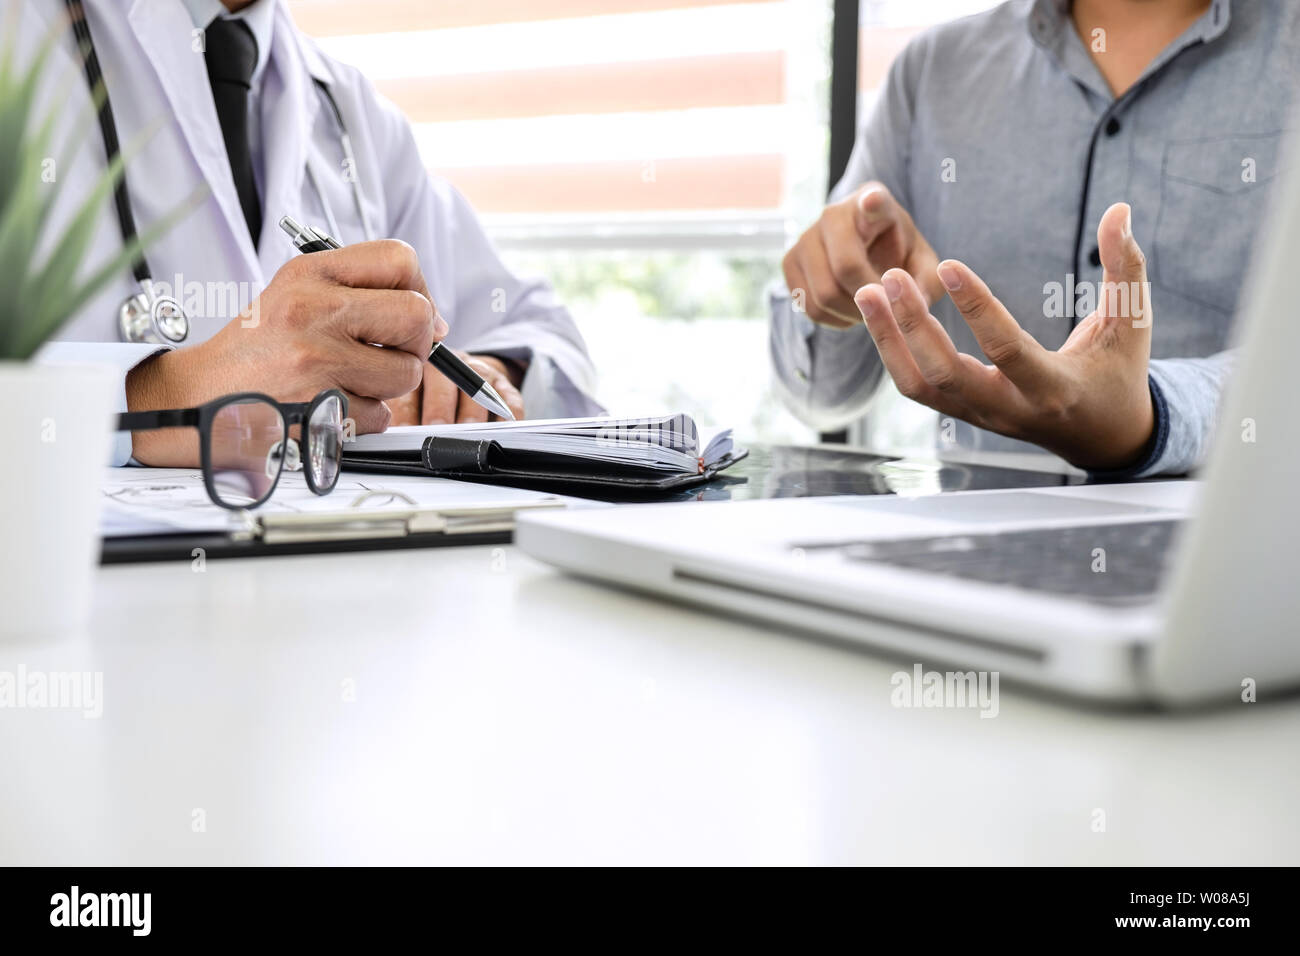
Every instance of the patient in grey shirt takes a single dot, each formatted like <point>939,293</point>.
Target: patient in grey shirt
<point>1001,140</point>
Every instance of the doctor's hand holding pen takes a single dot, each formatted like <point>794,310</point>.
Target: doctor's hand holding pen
<point>314,327</point>
<point>439,402</point>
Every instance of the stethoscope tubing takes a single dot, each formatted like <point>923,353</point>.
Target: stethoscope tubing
<point>112,150</point>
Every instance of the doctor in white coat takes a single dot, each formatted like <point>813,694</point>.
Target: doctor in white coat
<point>319,145</point>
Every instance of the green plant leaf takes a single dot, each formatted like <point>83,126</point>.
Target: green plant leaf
<point>66,257</point>
<point>39,298</point>
<point>38,332</point>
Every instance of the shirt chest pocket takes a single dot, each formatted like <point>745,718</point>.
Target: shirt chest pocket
<point>1214,196</point>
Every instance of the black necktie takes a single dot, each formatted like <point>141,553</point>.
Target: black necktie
<point>231,54</point>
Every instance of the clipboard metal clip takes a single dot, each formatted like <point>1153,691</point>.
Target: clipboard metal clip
<point>356,522</point>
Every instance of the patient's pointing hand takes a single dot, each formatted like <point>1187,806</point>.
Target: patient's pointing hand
<point>854,242</point>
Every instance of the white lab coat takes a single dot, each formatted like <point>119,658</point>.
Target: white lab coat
<point>157,79</point>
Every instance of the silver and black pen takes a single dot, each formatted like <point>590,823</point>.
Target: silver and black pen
<point>306,239</point>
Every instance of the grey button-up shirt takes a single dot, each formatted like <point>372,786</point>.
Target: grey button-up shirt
<point>1002,139</point>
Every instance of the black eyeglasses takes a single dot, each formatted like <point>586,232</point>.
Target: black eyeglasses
<point>244,442</point>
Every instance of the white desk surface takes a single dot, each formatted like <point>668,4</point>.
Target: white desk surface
<point>505,713</point>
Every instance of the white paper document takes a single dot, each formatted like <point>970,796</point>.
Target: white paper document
<point>139,501</point>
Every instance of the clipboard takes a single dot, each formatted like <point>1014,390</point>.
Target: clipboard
<point>348,529</point>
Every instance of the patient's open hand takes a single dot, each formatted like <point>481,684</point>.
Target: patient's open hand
<point>1089,402</point>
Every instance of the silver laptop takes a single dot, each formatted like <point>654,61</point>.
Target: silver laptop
<point>1173,592</point>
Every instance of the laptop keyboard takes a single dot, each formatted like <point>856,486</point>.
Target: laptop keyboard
<point>1063,561</point>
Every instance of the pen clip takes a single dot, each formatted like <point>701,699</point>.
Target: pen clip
<point>302,236</point>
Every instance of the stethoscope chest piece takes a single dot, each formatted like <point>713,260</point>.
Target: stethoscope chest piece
<point>151,318</point>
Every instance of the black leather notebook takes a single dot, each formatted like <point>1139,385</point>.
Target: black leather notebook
<point>647,454</point>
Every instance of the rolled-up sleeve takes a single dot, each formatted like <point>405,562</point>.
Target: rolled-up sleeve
<point>1185,394</point>
<point>1191,389</point>
<point>826,377</point>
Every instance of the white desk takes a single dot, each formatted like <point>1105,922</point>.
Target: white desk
<point>505,713</point>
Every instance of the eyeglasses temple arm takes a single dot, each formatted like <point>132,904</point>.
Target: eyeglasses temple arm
<point>163,418</point>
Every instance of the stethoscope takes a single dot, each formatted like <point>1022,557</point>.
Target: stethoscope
<point>148,316</point>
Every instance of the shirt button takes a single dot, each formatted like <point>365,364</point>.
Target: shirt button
<point>801,375</point>
<point>1112,127</point>
<point>1094,257</point>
